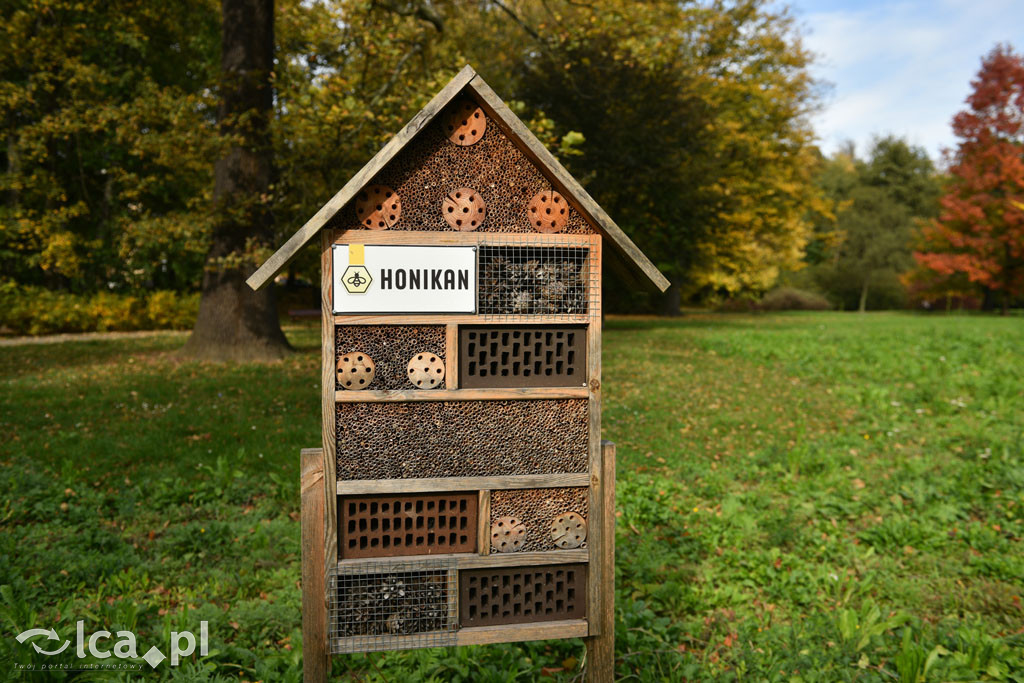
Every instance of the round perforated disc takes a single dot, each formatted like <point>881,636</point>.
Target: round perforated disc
<point>568,530</point>
<point>507,534</point>
<point>378,207</point>
<point>426,370</point>
<point>548,212</point>
<point>464,209</point>
<point>466,123</point>
<point>356,370</point>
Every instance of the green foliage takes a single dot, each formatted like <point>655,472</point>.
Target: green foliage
<point>36,310</point>
<point>108,142</point>
<point>859,252</point>
<point>812,496</point>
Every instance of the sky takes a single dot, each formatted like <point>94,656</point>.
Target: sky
<point>902,67</point>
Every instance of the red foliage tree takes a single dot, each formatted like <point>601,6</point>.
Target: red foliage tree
<point>980,230</point>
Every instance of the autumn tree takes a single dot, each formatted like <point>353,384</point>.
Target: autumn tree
<point>233,321</point>
<point>980,231</point>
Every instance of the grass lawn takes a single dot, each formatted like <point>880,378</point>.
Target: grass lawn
<point>801,497</point>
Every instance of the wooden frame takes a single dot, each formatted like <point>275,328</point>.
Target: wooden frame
<point>597,628</point>
<point>320,486</point>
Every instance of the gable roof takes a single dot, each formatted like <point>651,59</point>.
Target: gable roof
<point>628,259</point>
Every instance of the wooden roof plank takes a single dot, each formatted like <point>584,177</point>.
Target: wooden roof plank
<point>283,256</point>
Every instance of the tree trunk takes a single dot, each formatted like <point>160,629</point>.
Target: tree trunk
<point>235,323</point>
<point>863,297</point>
<point>670,301</point>
<point>988,300</point>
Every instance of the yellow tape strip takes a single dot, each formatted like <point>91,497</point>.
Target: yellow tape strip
<point>356,254</point>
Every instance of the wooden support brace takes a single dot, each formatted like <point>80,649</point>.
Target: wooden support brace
<point>600,666</point>
<point>315,658</point>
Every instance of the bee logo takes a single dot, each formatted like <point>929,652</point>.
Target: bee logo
<point>356,278</point>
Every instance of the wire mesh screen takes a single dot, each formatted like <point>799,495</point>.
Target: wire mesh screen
<point>553,279</point>
<point>392,606</point>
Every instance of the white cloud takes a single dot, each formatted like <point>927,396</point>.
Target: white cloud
<point>901,67</point>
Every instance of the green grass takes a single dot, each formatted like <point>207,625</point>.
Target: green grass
<point>806,497</point>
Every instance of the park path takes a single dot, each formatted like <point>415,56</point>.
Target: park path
<point>87,336</point>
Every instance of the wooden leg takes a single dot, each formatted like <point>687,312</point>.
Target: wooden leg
<point>315,659</point>
<point>601,648</point>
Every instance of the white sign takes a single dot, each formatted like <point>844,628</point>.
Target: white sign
<point>404,279</point>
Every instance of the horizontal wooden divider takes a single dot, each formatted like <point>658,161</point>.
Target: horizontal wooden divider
<point>472,560</point>
<point>443,237</point>
<point>508,394</point>
<point>484,635</point>
<point>463,319</point>
<point>439,484</point>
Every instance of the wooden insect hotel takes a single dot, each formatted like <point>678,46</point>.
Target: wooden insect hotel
<point>462,493</point>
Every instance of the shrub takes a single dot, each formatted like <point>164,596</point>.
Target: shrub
<point>35,310</point>
<point>172,310</point>
<point>792,299</point>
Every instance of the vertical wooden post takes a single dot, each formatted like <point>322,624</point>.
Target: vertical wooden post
<point>329,419</point>
<point>601,647</point>
<point>315,660</point>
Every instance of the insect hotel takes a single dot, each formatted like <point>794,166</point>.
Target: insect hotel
<point>462,494</point>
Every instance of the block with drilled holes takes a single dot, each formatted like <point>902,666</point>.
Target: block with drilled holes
<point>488,597</point>
<point>423,524</point>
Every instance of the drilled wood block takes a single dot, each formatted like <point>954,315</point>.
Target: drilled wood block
<point>356,370</point>
<point>426,370</point>
<point>378,208</point>
<point>548,212</point>
<point>464,209</point>
<point>466,123</point>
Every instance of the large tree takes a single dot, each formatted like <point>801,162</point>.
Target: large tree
<point>235,323</point>
<point>980,232</point>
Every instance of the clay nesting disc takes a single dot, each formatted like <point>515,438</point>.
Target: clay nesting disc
<point>464,209</point>
<point>548,212</point>
<point>356,370</point>
<point>378,207</point>
<point>568,530</point>
<point>466,123</point>
<point>426,370</point>
<point>507,534</point>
